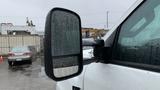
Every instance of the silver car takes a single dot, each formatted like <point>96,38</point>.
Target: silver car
<point>21,53</point>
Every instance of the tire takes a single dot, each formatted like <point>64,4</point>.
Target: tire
<point>10,63</point>
<point>30,61</point>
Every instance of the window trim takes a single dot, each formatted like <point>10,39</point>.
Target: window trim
<point>141,66</point>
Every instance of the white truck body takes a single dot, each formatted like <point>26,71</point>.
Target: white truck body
<point>99,76</point>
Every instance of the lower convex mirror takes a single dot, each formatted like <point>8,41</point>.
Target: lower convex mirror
<point>65,66</point>
<point>63,44</point>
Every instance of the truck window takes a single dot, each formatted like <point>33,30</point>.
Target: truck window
<point>139,37</point>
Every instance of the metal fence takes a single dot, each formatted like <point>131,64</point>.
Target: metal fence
<point>7,42</point>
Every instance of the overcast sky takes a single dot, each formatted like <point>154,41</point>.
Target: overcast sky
<point>92,12</point>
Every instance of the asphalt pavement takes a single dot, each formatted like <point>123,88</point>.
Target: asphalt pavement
<point>24,77</point>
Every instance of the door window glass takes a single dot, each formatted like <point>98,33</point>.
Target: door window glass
<point>139,38</point>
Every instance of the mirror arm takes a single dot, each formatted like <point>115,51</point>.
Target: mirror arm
<point>93,43</point>
<point>101,53</point>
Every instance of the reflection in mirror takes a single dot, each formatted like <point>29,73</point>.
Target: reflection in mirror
<point>87,52</point>
<point>65,41</point>
<point>65,71</point>
<point>65,66</point>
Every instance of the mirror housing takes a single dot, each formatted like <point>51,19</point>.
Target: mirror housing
<point>62,44</point>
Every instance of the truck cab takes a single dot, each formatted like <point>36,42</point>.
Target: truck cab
<point>127,58</point>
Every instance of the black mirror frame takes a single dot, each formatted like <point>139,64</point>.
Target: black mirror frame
<point>47,47</point>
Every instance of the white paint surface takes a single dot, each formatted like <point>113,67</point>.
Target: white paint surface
<point>99,76</point>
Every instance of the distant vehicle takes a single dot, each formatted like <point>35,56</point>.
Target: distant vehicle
<point>20,53</point>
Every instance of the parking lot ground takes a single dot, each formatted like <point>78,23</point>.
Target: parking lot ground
<point>24,77</point>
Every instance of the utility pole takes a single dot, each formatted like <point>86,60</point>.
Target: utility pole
<point>107,15</point>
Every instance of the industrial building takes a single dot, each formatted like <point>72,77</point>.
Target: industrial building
<point>10,29</point>
<point>93,33</point>
<point>19,35</point>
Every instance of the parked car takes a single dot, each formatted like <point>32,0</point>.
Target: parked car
<point>20,53</point>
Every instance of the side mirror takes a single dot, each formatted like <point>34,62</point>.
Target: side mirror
<point>63,44</point>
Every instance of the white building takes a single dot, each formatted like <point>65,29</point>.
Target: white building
<point>10,29</point>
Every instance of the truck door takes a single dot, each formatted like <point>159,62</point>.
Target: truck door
<point>135,62</point>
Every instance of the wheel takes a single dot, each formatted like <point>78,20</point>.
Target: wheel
<point>30,61</point>
<point>10,63</point>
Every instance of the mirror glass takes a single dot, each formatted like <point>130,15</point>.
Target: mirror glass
<point>65,41</point>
